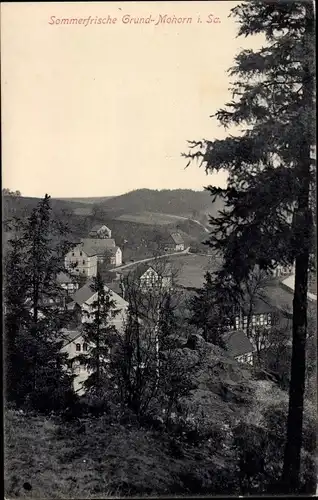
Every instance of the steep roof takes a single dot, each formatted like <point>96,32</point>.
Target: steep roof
<point>177,238</point>
<point>90,252</point>
<point>113,250</point>
<point>289,284</point>
<point>85,293</point>
<point>64,278</point>
<point>97,246</point>
<point>237,343</point>
<point>69,336</point>
<point>142,268</point>
<point>114,286</point>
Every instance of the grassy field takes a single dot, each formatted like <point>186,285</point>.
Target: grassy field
<point>151,218</point>
<point>190,268</point>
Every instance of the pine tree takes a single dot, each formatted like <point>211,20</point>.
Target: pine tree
<point>99,334</point>
<point>168,323</point>
<point>267,218</point>
<point>34,313</point>
<point>211,310</point>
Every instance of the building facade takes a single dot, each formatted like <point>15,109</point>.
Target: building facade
<point>174,243</point>
<point>105,250</point>
<point>116,256</point>
<point>74,343</point>
<point>81,262</point>
<point>83,305</point>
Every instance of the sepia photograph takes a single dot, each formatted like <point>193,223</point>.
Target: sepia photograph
<point>159,249</point>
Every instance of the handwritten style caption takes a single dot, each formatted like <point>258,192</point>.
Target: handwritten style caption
<point>128,19</point>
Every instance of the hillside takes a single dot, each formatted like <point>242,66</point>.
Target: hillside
<point>86,200</point>
<point>107,456</point>
<point>182,202</point>
<point>112,455</point>
<point>21,206</point>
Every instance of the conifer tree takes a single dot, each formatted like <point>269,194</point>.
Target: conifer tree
<point>168,323</point>
<point>34,312</point>
<point>211,310</point>
<point>267,218</point>
<point>98,334</point>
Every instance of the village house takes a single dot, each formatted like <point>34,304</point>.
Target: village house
<point>84,298</point>
<point>67,282</point>
<point>239,346</point>
<point>73,341</point>
<point>174,243</point>
<point>100,231</point>
<point>150,277</point>
<point>73,345</point>
<point>80,261</point>
<point>105,249</point>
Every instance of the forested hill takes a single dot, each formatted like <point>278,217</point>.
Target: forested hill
<point>21,206</point>
<point>183,202</point>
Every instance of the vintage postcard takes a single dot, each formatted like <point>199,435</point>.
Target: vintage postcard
<point>159,256</point>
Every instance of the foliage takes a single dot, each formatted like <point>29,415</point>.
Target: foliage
<point>98,334</point>
<point>267,219</point>
<point>35,312</point>
<point>8,192</point>
<point>148,373</point>
<point>211,310</point>
<point>260,451</point>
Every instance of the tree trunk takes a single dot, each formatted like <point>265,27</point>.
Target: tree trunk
<point>291,470</point>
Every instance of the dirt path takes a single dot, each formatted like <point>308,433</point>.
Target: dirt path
<point>184,252</point>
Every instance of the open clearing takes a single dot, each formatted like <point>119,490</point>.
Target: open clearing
<point>190,268</point>
<point>151,218</point>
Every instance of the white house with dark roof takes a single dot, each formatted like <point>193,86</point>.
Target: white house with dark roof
<point>174,243</point>
<point>100,231</point>
<point>73,340</point>
<point>73,345</point>
<point>84,298</point>
<point>105,249</point>
<point>81,261</point>
<point>150,277</point>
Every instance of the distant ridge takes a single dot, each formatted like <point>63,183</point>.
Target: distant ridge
<point>97,199</point>
<point>183,202</point>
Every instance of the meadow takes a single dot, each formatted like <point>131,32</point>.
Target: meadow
<point>150,218</point>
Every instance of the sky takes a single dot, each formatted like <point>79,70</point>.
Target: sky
<point>102,109</point>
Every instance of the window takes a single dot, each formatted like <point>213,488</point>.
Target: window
<point>261,319</point>
<point>83,261</point>
<point>78,347</point>
<point>81,253</point>
<point>73,254</point>
<point>84,347</point>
